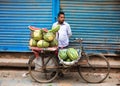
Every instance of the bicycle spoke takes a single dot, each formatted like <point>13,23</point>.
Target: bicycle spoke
<point>97,70</point>
<point>43,71</point>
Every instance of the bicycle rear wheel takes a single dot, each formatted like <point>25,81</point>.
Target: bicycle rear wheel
<point>43,71</point>
<point>96,70</point>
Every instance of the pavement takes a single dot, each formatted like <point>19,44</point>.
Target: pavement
<point>16,77</point>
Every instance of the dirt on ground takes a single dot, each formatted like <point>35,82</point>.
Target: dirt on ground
<point>14,77</point>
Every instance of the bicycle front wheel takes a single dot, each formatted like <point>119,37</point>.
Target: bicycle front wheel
<point>96,70</point>
<point>43,70</point>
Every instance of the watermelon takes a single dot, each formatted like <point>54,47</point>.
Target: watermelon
<point>54,43</point>
<point>49,36</point>
<point>62,54</point>
<point>72,53</point>
<point>68,60</point>
<point>33,43</point>
<point>55,29</point>
<point>37,34</point>
<point>44,30</point>
<point>42,44</point>
<point>33,28</point>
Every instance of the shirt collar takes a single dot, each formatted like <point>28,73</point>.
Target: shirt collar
<point>62,24</point>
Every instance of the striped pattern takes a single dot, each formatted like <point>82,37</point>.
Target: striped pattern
<point>16,16</point>
<point>96,21</point>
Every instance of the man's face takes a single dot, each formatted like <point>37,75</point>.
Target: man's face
<point>61,18</point>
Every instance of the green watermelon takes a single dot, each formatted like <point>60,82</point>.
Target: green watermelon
<point>37,34</point>
<point>49,36</point>
<point>33,43</point>
<point>68,60</point>
<point>62,54</point>
<point>42,44</point>
<point>72,53</point>
<point>55,29</point>
<point>54,43</point>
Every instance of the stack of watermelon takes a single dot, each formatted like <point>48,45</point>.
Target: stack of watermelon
<point>43,38</point>
<point>68,55</point>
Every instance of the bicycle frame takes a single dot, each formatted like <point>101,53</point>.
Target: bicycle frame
<point>83,54</point>
<point>47,68</point>
<point>79,40</point>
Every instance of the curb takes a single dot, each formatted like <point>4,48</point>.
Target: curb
<point>19,62</point>
<point>13,62</point>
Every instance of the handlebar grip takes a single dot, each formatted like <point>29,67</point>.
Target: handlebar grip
<point>78,39</point>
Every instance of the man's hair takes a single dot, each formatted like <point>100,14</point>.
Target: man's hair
<point>60,13</point>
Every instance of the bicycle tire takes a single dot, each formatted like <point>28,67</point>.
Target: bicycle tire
<point>38,74</point>
<point>96,70</point>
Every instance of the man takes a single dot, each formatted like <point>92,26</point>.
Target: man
<point>64,32</point>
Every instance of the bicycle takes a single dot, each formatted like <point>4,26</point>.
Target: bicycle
<point>48,69</point>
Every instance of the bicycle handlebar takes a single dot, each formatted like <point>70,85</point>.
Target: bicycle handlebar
<point>78,39</point>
